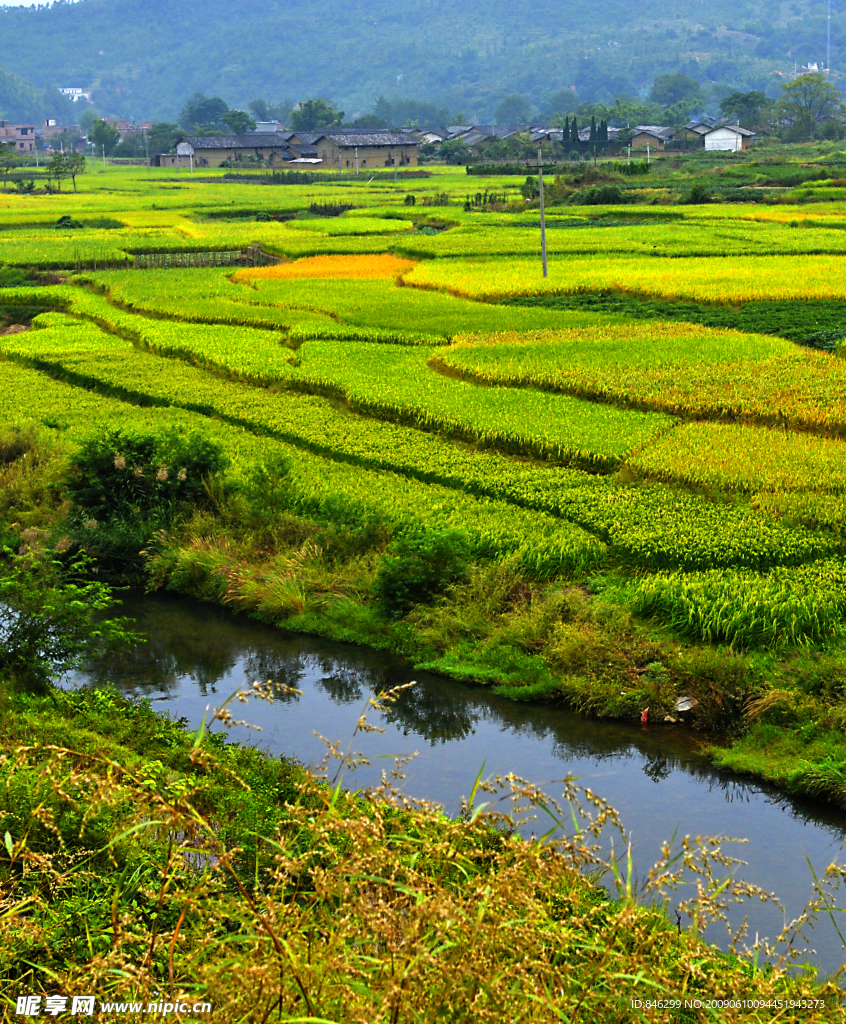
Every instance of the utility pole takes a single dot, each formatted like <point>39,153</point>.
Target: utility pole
<point>648,160</point>
<point>104,156</point>
<point>542,214</point>
<point>356,159</point>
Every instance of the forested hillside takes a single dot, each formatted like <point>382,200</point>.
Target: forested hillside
<point>143,58</point>
<point>21,101</point>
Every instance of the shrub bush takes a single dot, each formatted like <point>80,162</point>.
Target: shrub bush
<point>125,486</point>
<point>123,474</point>
<point>699,194</point>
<point>599,195</point>
<point>420,566</point>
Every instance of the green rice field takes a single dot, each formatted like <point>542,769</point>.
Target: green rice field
<point>659,424</point>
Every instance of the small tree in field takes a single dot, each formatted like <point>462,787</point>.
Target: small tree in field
<point>9,159</point>
<point>74,164</point>
<point>57,169</point>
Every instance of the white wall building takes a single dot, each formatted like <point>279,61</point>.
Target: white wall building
<point>729,138</point>
<point>75,94</point>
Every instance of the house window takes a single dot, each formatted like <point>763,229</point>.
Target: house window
<point>363,163</point>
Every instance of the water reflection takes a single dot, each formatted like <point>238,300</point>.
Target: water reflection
<point>218,652</point>
<point>655,776</point>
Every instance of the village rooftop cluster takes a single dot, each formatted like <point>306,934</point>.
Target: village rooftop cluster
<point>271,144</point>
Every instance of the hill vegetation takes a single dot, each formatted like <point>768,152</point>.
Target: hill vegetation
<point>22,101</point>
<point>144,58</point>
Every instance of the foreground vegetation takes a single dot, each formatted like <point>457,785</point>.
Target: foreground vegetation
<point>147,864</point>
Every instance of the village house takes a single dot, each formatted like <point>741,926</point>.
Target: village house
<point>359,149</point>
<point>697,129</point>
<point>729,138</point>
<point>337,148</point>
<point>654,136</point>
<point>435,135</point>
<point>272,149</point>
<point>19,136</point>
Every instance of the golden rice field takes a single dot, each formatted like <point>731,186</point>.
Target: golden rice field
<point>369,266</point>
<point>679,369</point>
<point>728,279</point>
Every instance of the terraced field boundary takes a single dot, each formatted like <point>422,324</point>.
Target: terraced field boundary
<point>651,526</point>
<point>683,392</point>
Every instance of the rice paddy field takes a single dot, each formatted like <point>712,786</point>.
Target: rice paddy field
<point>659,424</point>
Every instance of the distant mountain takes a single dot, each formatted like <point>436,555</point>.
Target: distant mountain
<point>144,58</point>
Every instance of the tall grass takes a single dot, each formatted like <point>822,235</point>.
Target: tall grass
<point>141,863</point>
<point>780,608</point>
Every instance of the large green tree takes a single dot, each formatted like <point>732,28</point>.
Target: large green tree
<point>162,137</point>
<point>312,115</point>
<point>238,122</point>
<point>203,112</point>
<point>104,136</point>
<point>513,109</point>
<point>806,102</point>
<point>264,111</point>
<point>668,90</point>
<point>745,108</point>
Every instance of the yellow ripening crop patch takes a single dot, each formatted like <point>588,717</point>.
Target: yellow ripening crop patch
<point>369,265</point>
<point>706,279</point>
<point>738,457</point>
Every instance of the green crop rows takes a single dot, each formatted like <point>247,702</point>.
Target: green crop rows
<point>652,526</point>
<point>634,411</point>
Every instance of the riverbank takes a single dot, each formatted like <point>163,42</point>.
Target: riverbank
<point>776,716</point>
<point>571,641</point>
<point>144,862</point>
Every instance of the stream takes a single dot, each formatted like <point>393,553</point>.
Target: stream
<point>197,655</point>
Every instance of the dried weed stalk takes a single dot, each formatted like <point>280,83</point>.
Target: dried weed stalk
<point>375,909</point>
